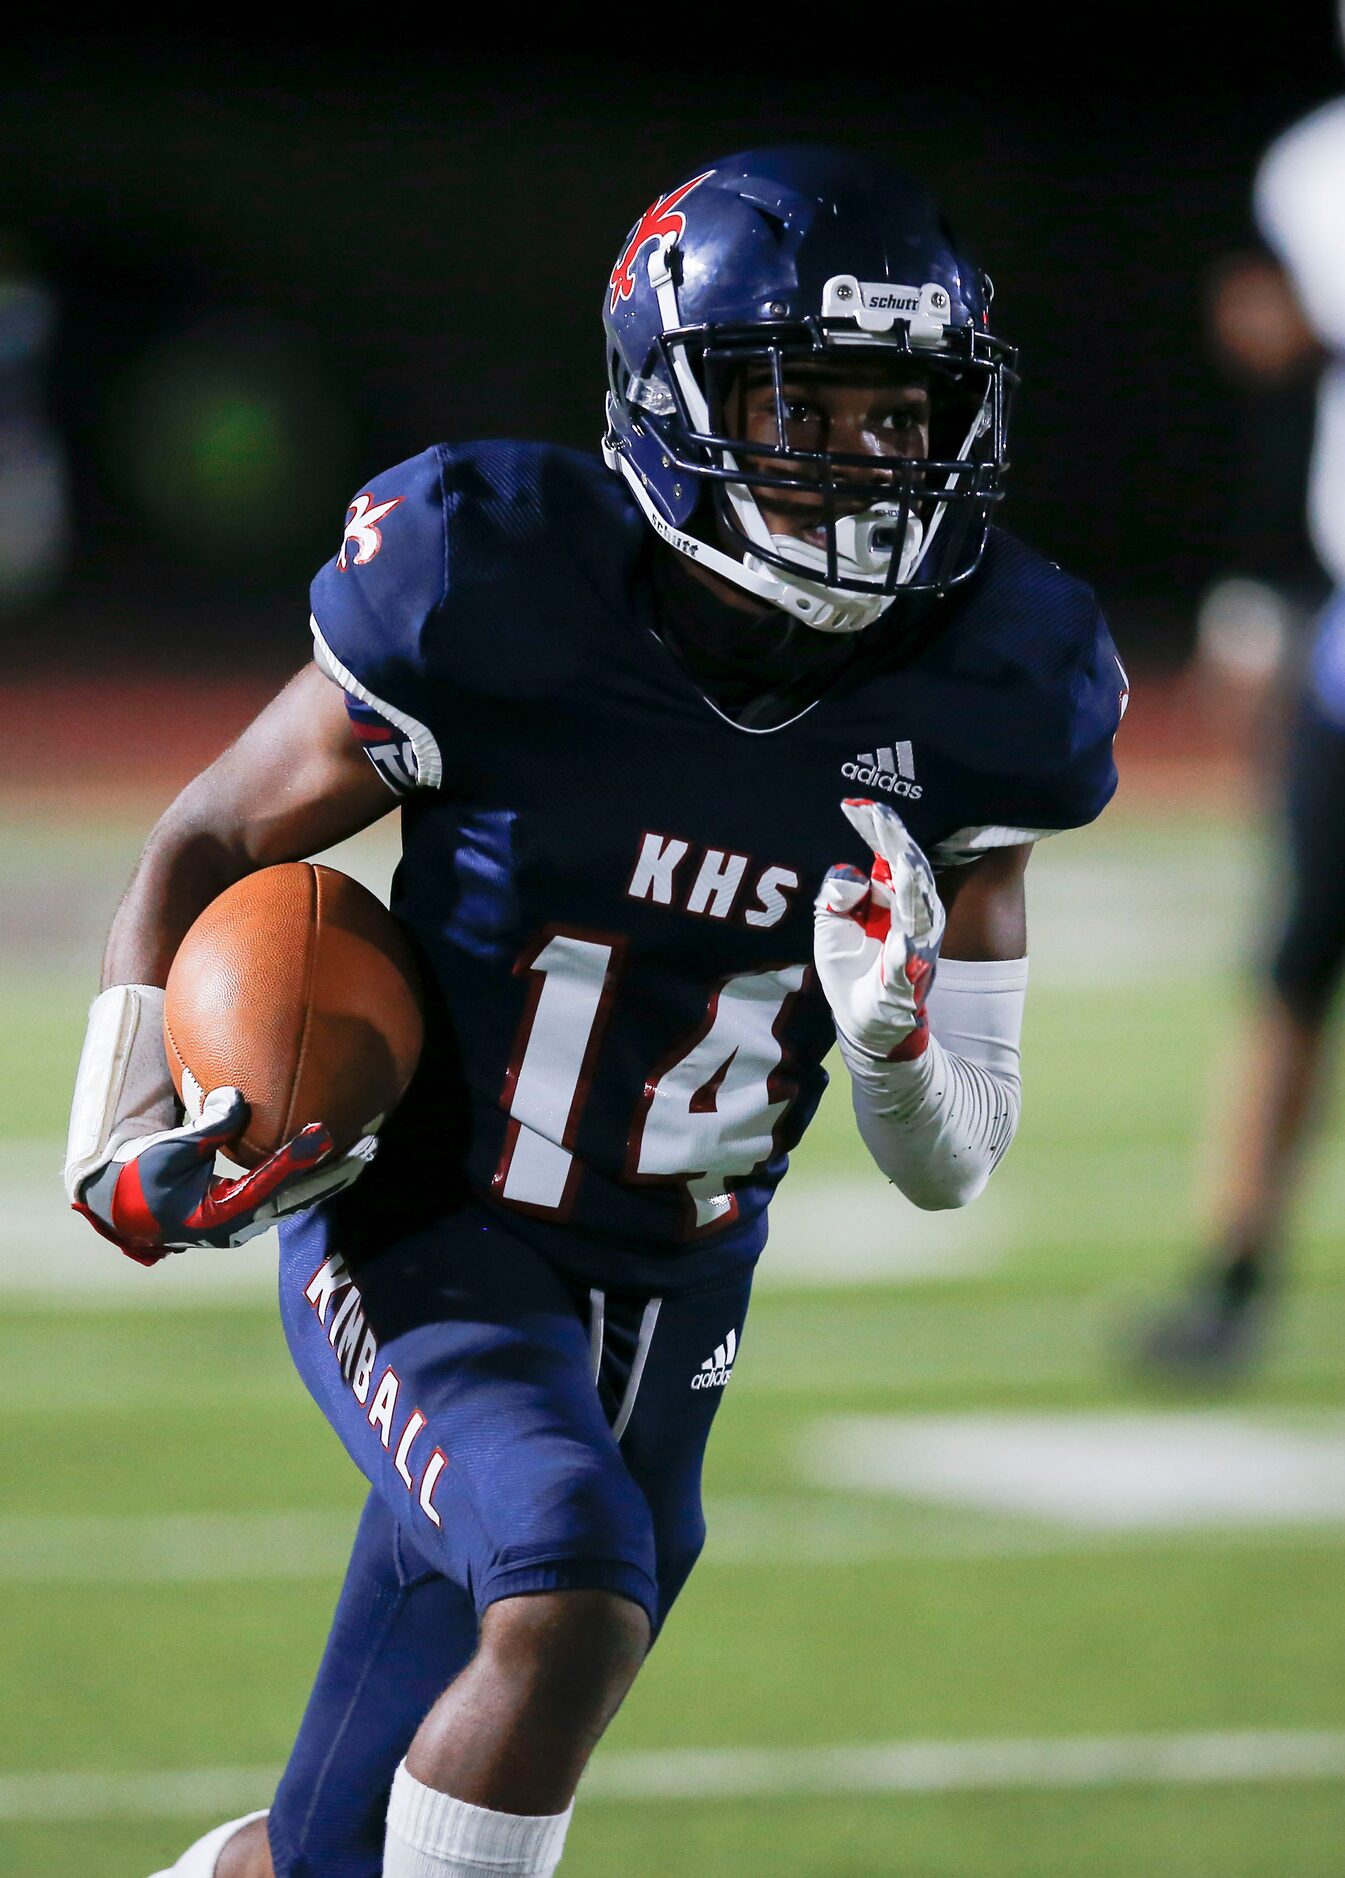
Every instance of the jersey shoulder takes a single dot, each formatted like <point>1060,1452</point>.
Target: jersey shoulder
<point>466,565</point>
<point>512,509</point>
<point>1021,613</point>
<point>456,518</point>
<point>1032,685</point>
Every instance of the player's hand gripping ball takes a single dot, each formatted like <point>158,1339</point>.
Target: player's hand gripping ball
<point>876,937</point>
<point>160,1193</point>
<point>293,1023</point>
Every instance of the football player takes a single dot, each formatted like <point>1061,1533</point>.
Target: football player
<point>1219,1326</point>
<point>713,752</point>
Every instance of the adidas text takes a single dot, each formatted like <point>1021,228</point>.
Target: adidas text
<point>881,779</point>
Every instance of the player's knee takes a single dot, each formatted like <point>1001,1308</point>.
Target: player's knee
<point>594,1511</point>
<point>582,1647</point>
<point>678,1553</point>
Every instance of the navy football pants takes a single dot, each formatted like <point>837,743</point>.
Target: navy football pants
<point>521,1431</point>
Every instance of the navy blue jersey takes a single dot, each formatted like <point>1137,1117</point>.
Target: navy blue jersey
<point>611,882</point>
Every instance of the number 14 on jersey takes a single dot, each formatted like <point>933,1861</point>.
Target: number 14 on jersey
<point>707,1115</point>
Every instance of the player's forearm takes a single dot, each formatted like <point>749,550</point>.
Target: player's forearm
<point>123,1087</point>
<point>293,784</point>
<point>183,867</point>
<point>937,1126</point>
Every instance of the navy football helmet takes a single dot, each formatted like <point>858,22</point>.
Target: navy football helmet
<point>791,259</point>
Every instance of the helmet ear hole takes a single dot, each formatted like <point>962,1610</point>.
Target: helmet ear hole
<point>775,222</point>
<point>616,372</point>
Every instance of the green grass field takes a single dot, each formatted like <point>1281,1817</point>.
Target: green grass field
<point>978,1599</point>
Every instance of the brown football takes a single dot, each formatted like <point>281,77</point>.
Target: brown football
<point>297,986</point>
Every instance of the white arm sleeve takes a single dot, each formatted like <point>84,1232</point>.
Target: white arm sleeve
<point>937,1126</point>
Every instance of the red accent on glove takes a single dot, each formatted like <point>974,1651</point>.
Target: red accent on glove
<point>138,1232</point>
<point>877,913</point>
<point>226,1200</point>
<point>132,1218</point>
<point>140,1257</point>
<point>914,1044</point>
<point>872,915</point>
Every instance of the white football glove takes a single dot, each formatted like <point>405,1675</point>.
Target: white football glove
<point>876,938</point>
<point>145,1178</point>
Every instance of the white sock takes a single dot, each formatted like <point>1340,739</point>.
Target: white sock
<point>432,1835</point>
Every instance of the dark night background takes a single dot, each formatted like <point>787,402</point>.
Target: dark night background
<point>279,263</point>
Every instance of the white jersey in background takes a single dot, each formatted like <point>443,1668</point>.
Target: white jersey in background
<point>1299,203</point>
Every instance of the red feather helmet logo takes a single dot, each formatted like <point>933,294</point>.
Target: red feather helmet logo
<point>660,219</point>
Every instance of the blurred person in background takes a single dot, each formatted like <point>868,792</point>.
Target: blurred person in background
<point>634,707</point>
<point>1279,328</point>
<point>1254,620</point>
<point>34,492</point>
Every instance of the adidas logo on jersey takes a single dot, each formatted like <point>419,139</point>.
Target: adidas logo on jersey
<point>716,1370</point>
<point>891,768</point>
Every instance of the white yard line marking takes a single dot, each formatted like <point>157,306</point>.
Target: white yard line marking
<point>697,1774</point>
<point>788,1533</point>
<point>966,1766</point>
<point>1099,1470</point>
<point>179,1548</point>
<point>850,1231</point>
<point>49,1254</point>
<point>792,1533</point>
<point>859,1231</point>
<point>206,1792</point>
